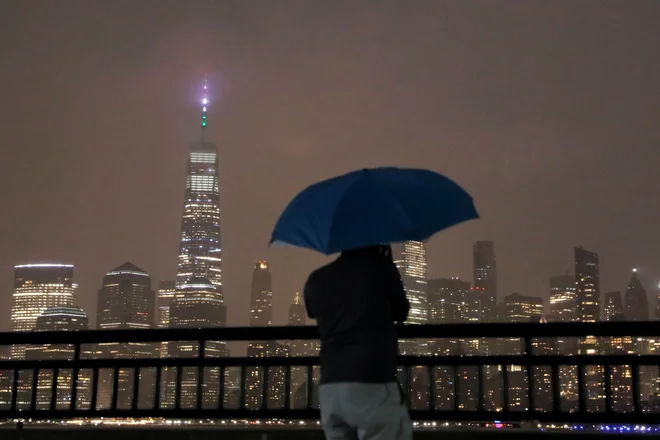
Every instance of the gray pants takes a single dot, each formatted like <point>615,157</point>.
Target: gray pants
<point>364,411</point>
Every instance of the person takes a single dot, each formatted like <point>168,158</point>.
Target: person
<point>356,301</point>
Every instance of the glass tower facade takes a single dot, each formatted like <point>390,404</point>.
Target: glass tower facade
<point>126,301</point>
<point>410,259</point>
<point>484,296</point>
<point>261,296</point>
<point>587,280</point>
<point>563,298</point>
<point>200,250</point>
<point>38,287</point>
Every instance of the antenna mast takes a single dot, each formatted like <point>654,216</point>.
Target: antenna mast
<point>205,101</point>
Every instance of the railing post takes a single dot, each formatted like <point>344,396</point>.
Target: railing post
<point>53,389</point>
<point>33,399</point>
<point>200,375</point>
<point>74,377</point>
<point>637,400</point>
<point>608,388</point>
<point>530,374</point>
<point>159,379</point>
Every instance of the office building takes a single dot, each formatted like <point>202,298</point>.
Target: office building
<point>126,301</point>
<point>563,298</point>
<point>485,280</point>
<point>198,304</point>
<point>410,259</point>
<point>38,287</point>
<point>60,319</point>
<point>200,247</point>
<point>637,304</point>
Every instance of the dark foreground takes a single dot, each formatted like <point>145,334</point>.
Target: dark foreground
<point>205,433</point>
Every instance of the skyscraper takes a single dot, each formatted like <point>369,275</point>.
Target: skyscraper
<point>620,375</point>
<point>446,299</point>
<point>60,319</point>
<point>485,280</point>
<point>613,307</point>
<point>587,281</point>
<point>197,304</point>
<point>126,301</point>
<point>297,312</point>
<point>563,298</point>
<point>200,248</point>
<point>261,296</point>
<point>199,298</point>
<point>164,299</point>
<point>38,287</point>
<point>522,308</point>
<point>410,258</point>
<point>261,315</point>
<point>637,304</point>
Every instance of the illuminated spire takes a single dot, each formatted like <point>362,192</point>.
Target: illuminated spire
<point>205,101</point>
<point>296,299</point>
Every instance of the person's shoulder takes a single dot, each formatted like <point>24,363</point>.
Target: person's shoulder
<point>320,273</point>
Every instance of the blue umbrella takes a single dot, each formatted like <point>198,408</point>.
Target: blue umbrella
<point>371,207</point>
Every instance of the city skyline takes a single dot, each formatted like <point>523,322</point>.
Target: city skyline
<point>553,135</point>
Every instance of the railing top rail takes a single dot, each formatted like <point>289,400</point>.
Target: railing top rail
<point>492,330</point>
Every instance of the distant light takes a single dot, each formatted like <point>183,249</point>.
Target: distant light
<point>204,109</point>
<point>205,101</point>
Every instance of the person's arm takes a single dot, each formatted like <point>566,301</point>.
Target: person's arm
<point>400,303</point>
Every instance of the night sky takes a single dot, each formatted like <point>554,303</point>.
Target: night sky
<point>547,112</point>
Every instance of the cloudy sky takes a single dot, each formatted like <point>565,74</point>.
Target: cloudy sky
<point>546,111</point>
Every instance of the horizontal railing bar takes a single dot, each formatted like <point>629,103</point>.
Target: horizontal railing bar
<point>481,330</point>
<point>313,414</point>
<point>431,361</point>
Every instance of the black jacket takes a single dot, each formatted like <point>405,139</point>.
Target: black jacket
<point>356,301</point>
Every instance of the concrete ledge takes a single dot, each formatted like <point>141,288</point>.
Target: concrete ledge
<point>206,433</point>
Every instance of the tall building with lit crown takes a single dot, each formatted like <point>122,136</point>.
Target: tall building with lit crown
<point>297,317</point>
<point>261,296</point>
<point>410,258</point>
<point>261,315</point>
<point>297,312</point>
<point>38,287</point>
<point>200,247</point>
<point>637,304</point>
<point>60,319</point>
<point>126,301</point>
<point>199,297</point>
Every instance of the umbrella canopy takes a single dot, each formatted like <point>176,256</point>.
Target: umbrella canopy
<point>371,207</point>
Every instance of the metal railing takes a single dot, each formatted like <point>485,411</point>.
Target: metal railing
<point>565,388</point>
